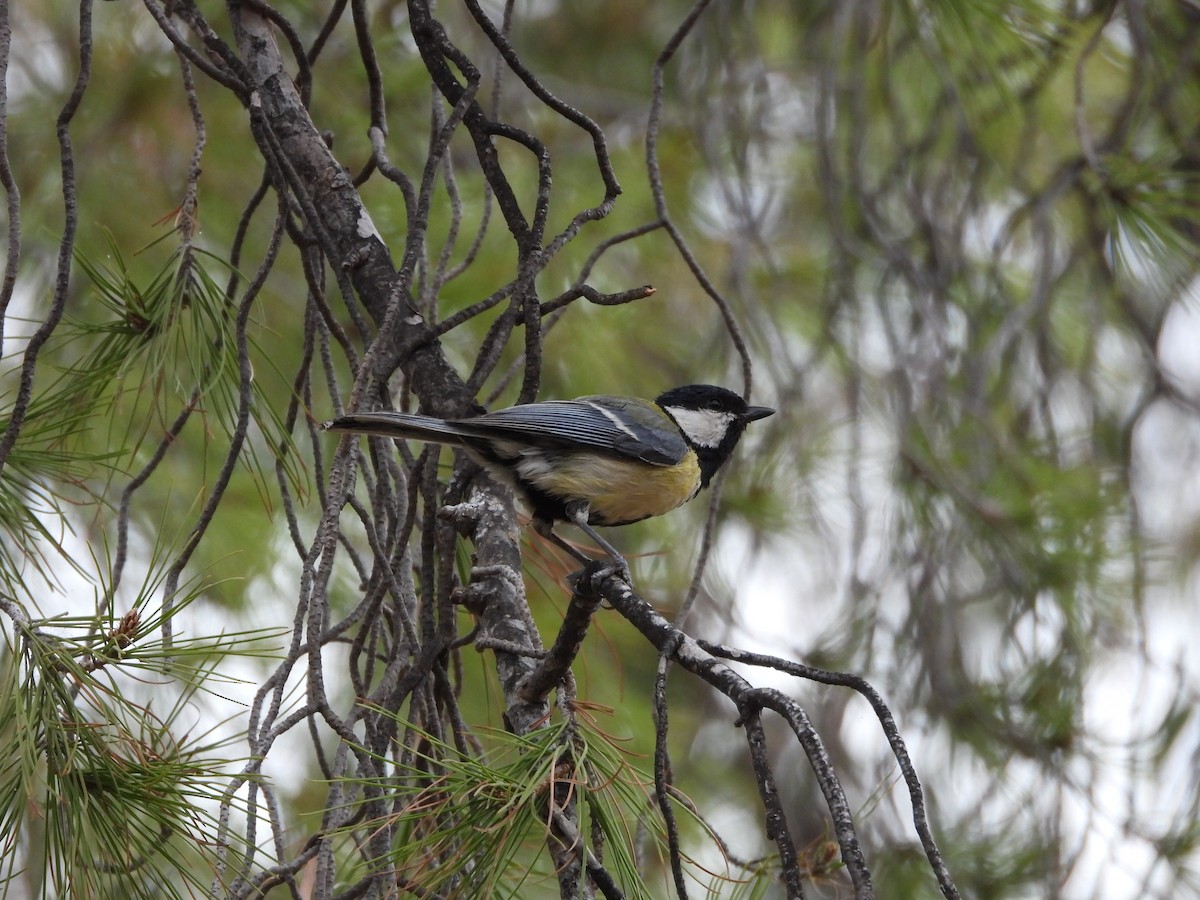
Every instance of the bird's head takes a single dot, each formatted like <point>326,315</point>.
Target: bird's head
<point>712,420</point>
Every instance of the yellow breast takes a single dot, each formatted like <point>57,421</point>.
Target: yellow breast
<point>619,491</point>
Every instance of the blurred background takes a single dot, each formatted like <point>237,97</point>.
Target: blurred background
<point>958,242</point>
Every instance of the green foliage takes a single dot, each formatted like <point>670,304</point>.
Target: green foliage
<point>952,234</point>
<point>105,785</point>
<point>472,824</point>
<point>162,344</point>
<point>109,788</point>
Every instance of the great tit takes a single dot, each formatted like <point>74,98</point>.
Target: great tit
<point>591,461</point>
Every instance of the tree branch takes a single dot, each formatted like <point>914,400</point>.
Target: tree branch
<point>688,653</point>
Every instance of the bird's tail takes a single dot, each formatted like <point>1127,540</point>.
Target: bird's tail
<point>409,426</point>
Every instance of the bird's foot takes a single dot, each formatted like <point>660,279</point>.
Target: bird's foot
<point>596,571</point>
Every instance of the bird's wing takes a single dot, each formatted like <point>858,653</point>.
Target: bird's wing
<point>618,426</point>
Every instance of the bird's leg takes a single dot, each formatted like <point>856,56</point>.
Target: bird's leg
<point>578,514</point>
<point>546,530</point>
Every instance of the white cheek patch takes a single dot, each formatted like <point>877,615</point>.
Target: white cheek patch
<point>703,427</point>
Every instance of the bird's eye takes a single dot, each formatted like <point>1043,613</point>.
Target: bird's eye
<point>714,404</point>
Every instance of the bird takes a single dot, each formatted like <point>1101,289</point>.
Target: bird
<point>593,461</point>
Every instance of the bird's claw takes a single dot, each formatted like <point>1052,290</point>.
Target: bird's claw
<point>597,571</point>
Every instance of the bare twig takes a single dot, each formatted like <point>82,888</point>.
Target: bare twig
<point>12,194</point>
<point>749,701</point>
<point>66,245</point>
<point>557,661</point>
